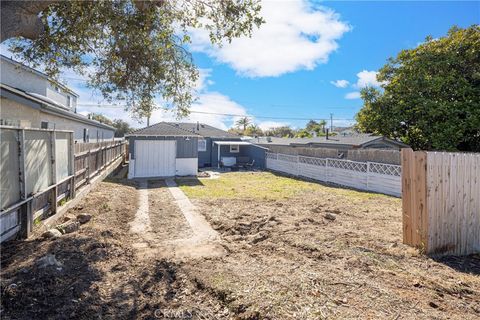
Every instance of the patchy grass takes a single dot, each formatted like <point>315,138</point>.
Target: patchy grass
<point>259,185</point>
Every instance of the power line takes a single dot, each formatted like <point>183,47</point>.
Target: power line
<point>231,114</point>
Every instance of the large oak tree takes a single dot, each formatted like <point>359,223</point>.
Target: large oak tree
<point>130,50</point>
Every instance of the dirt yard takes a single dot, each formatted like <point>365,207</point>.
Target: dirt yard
<point>291,250</point>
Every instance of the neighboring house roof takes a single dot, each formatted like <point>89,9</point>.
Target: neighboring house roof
<point>39,73</point>
<point>203,130</point>
<point>362,140</point>
<point>162,129</point>
<point>34,101</point>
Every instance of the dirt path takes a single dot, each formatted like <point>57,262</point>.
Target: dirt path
<point>178,233</point>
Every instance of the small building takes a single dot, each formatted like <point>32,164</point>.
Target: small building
<point>339,142</point>
<point>170,149</point>
<point>30,99</point>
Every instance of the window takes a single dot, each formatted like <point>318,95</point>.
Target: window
<point>69,101</point>
<point>234,148</point>
<point>44,125</point>
<point>202,145</point>
<point>86,138</point>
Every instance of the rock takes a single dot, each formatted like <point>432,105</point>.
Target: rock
<point>84,217</point>
<point>335,211</point>
<point>68,217</point>
<point>49,260</point>
<point>51,234</point>
<point>69,227</point>
<point>259,237</point>
<point>329,216</point>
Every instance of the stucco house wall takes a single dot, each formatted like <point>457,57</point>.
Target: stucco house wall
<point>30,117</point>
<point>29,80</point>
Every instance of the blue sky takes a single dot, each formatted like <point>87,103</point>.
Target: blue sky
<point>309,60</point>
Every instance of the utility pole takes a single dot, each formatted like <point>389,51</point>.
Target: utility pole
<point>331,122</point>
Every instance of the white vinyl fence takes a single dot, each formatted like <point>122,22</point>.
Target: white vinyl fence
<point>370,176</point>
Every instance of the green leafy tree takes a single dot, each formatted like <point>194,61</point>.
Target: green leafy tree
<point>312,128</point>
<point>100,118</point>
<point>243,123</point>
<point>281,132</point>
<point>253,130</point>
<point>430,97</point>
<point>131,50</point>
<point>122,128</point>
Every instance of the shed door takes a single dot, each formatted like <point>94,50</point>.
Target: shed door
<point>155,158</point>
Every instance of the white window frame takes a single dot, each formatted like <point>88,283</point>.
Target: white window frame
<point>235,149</point>
<point>202,145</point>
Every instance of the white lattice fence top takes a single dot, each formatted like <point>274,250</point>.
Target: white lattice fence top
<point>270,155</point>
<point>388,169</point>
<point>286,157</point>
<point>313,161</point>
<point>347,165</point>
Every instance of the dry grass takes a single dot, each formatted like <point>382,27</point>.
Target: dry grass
<point>260,185</point>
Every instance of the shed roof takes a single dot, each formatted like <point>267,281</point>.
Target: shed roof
<point>163,129</point>
<point>237,143</point>
<point>356,140</point>
<point>203,130</point>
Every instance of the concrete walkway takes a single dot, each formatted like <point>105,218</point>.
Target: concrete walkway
<point>201,228</point>
<point>205,241</point>
<point>141,224</point>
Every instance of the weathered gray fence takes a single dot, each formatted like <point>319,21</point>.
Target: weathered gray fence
<point>360,155</point>
<point>39,169</point>
<point>90,158</point>
<point>370,176</point>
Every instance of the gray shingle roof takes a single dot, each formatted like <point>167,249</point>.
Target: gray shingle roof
<point>356,140</point>
<point>162,129</point>
<point>203,130</point>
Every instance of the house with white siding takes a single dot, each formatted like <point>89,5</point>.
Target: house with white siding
<point>31,99</point>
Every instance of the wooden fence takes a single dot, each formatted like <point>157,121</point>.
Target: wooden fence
<point>441,201</point>
<point>41,168</point>
<point>370,176</point>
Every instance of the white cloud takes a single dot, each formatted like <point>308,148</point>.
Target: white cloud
<point>266,125</point>
<point>367,79</point>
<point>208,102</point>
<point>352,95</point>
<point>340,83</point>
<point>295,36</point>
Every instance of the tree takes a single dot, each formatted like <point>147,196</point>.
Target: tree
<point>100,118</point>
<point>131,50</point>
<point>430,97</point>
<point>312,128</point>
<point>122,128</point>
<point>243,122</point>
<point>253,130</point>
<point>281,132</point>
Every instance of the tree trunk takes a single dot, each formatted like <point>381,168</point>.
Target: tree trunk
<point>21,19</point>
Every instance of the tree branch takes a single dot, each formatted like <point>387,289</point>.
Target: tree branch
<point>21,18</point>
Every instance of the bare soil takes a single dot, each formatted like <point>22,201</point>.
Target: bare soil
<point>310,255</point>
